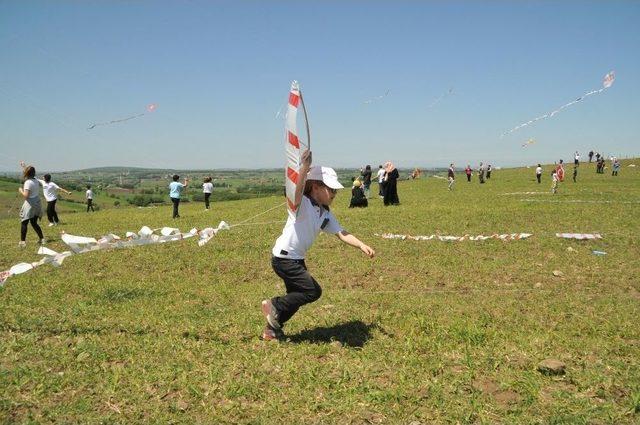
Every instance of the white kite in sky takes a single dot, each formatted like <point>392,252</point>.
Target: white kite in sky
<point>606,83</point>
<point>150,108</point>
<point>442,97</point>
<point>528,142</point>
<point>375,99</point>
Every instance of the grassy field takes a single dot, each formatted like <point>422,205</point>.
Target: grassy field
<point>426,332</point>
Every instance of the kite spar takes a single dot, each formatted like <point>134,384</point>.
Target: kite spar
<point>292,143</point>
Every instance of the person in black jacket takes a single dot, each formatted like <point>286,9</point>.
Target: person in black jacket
<point>366,180</point>
<point>391,185</point>
<point>358,199</point>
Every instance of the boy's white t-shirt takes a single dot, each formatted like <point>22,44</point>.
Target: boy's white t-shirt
<point>539,170</point>
<point>207,187</point>
<point>33,187</point>
<point>89,194</point>
<point>50,190</point>
<point>381,175</point>
<point>302,228</point>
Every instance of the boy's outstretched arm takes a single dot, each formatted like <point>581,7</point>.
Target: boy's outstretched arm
<point>302,176</point>
<point>349,239</point>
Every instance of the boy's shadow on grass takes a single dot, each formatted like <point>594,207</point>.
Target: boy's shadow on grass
<point>350,334</point>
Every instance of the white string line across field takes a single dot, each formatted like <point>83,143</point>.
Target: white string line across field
<point>579,201</point>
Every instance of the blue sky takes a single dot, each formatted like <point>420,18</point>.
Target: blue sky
<point>219,71</point>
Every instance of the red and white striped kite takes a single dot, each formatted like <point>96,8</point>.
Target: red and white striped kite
<point>293,144</point>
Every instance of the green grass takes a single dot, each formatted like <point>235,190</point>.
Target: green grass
<point>427,331</point>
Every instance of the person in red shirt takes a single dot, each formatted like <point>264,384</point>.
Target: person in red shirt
<point>468,172</point>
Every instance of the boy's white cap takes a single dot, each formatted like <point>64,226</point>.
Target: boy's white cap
<point>326,175</point>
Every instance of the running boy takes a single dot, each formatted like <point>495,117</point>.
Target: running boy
<point>315,190</point>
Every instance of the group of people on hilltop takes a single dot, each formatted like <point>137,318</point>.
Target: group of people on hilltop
<point>484,174</point>
<point>31,210</point>
<point>387,177</point>
<point>557,174</point>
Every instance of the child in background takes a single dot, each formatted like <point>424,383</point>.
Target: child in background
<point>615,167</point>
<point>358,197</point>
<point>451,176</point>
<point>468,172</point>
<point>539,172</point>
<point>554,182</point>
<point>207,188</point>
<point>89,195</point>
<point>315,191</point>
<point>50,190</point>
<point>175,190</point>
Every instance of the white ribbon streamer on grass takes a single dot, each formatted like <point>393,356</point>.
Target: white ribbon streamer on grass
<point>504,237</point>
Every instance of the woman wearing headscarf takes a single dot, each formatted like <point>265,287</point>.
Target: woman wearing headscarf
<point>391,184</point>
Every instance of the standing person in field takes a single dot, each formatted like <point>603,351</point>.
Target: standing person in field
<point>489,169</point>
<point>175,191</point>
<point>366,180</point>
<point>391,177</point>
<point>451,176</point>
<point>31,209</point>
<point>207,189</point>
<point>89,196</point>
<point>590,156</point>
<point>380,176</point>
<point>468,172</point>
<point>539,173</point>
<point>560,170</point>
<point>481,173</point>
<point>315,191</point>
<point>615,167</point>
<point>554,182</point>
<point>50,190</point>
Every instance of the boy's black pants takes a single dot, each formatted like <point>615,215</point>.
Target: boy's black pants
<point>206,200</point>
<point>302,288</point>
<point>51,211</point>
<point>176,203</point>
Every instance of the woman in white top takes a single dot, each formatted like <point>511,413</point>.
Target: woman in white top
<point>31,209</point>
<point>207,188</point>
<point>50,190</point>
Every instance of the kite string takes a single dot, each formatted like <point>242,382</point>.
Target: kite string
<point>257,215</point>
<point>258,224</point>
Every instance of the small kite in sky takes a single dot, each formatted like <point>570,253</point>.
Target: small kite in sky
<point>375,99</point>
<point>150,108</point>
<point>528,142</point>
<point>442,97</point>
<point>606,83</point>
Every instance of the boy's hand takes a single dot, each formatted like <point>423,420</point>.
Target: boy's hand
<point>367,250</point>
<point>306,159</point>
